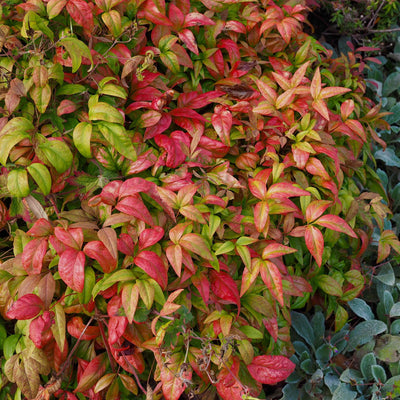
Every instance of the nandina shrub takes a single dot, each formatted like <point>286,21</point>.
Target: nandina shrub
<point>176,177</point>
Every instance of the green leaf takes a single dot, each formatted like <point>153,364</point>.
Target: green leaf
<point>41,176</point>
<point>365,332</point>
<point>378,373</point>
<point>81,136</point>
<point>170,60</point>
<point>329,285</point>
<point>90,280</point>
<point>33,21</point>
<point>101,111</point>
<point>58,154</point>
<point>41,97</point>
<point>303,327</point>
<point>387,348</point>
<point>76,50</point>
<point>223,248</point>
<point>146,292</point>
<point>366,364</point>
<point>59,326</point>
<point>122,275</point>
<point>71,88</point>
<point>388,156</point>
<point>391,83</point>
<point>117,137</point>
<point>113,90</point>
<point>250,332</point>
<point>17,183</point>
<point>386,275</point>
<point>9,345</point>
<point>392,386</point>
<point>12,133</point>
<point>361,308</point>
<point>344,392</point>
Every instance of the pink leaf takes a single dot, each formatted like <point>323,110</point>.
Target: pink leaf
<point>337,224</point>
<point>39,329</point>
<point>153,265</point>
<point>81,13</point>
<point>314,242</point>
<point>41,227</point>
<point>150,236</point>
<point>33,255</point>
<point>285,189</point>
<point>276,250</point>
<point>26,307</point>
<point>270,370</point>
<point>71,268</point>
<point>73,237</point>
<point>133,205</point>
<point>98,251</point>
<point>222,123</point>
<point>224,287</point>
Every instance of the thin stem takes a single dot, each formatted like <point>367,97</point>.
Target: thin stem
<point>107,346</point>
<point>68,360</point>
<point>135,375</point>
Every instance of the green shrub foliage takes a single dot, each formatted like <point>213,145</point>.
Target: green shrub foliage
<point>176,177</point>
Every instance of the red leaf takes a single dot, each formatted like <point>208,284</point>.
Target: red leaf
<point>224,287</point>
<point>66,107</point>
<point>193,100</point>
<point>71,268</point>
<point>133,205</point>
<point>175,155</point>
<point>314,242</point>
<point>153,265</point>
<point>337,224</point>
<point>273,280</point>
<point>26,307</point>
<point>174,256</point>
<point>271,324</point>
<point>257,188</point>
<point>99,252</point>
<point>285,189</point>
<point>196,244</point>
<point>75,327</point>
<point>316,208</point>
<point>276,250</point>
<point>116,328</point>
<point>73,237</point>
<point>196,19</point>
<point>39,329</point>
<point>33,255</point>
<point>188,38</point>
<point>202,284</point>
<point>109,238</point>
<point>176,16</point>
<point>222,123</point>
<point>261,213</point>
<point>270,370</point>
<point>92,373</point>
<point>125,244</point>
<point>315,167</point>
<point>81,13</point>
<point>172,379</point>
<point>150,236</point>
<point>227,386</point>
<point>41,227</point>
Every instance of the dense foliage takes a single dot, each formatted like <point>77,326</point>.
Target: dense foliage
<point>176,178</point>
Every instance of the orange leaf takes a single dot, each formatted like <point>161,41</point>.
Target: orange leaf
<point>314,242</point>
<point>273,280</point>
<point>337,224</point>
